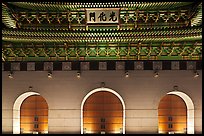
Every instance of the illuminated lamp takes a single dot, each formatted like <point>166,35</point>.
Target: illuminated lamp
<point>156,74</point>
<point>10,75</point>
<point>126,74</point>
<point>78,74</point>
<point>49,74</point>
<point>196,74</point>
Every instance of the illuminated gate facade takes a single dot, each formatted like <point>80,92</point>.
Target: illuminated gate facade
<point>130,38</point>
<point>34,115</point>
<point>172,115</point>
<point>102,113</point>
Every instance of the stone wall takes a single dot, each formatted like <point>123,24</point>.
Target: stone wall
<point>141,92</point>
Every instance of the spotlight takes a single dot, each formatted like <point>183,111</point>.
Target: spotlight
<point>49,74</point>
<point>102,84</point>
<point>126,74</point>
<point>196,74</point>
<point>78,74</point>
<point>30,88</point>
<point>175,88</point>
<point>121,130</point>
<point>84,130</point>
<point>10,75</point>
<point>156,74</point>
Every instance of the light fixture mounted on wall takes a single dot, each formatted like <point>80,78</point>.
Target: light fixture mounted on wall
<point>78,74</point>
<point>30,88</point>
<point>196,74</point>
<point>175,88</point>
<point>126,74</point>
<point>10,74</point>
<point>84,130</point>
<point>102,84</point>
<point>156,74</point>
<point>49,74</point>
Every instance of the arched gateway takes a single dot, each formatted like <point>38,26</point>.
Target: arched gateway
<point>176,113</point>
<point>30,114</point>
<point>102,112</point>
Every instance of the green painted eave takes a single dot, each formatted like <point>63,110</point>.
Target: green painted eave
<point>7,18</point>
<point>63,6</point>
<point>197,19</point>
<point>182,34</point>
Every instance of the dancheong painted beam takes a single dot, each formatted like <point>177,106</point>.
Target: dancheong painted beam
<point>54,31</point>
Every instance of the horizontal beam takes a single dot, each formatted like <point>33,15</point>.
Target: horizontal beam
<point>173,51</point>
<point>101,65</point>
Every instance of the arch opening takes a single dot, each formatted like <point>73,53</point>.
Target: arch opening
<point>102,111</point>
<point>179,117</point>
<point>27,110</point>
